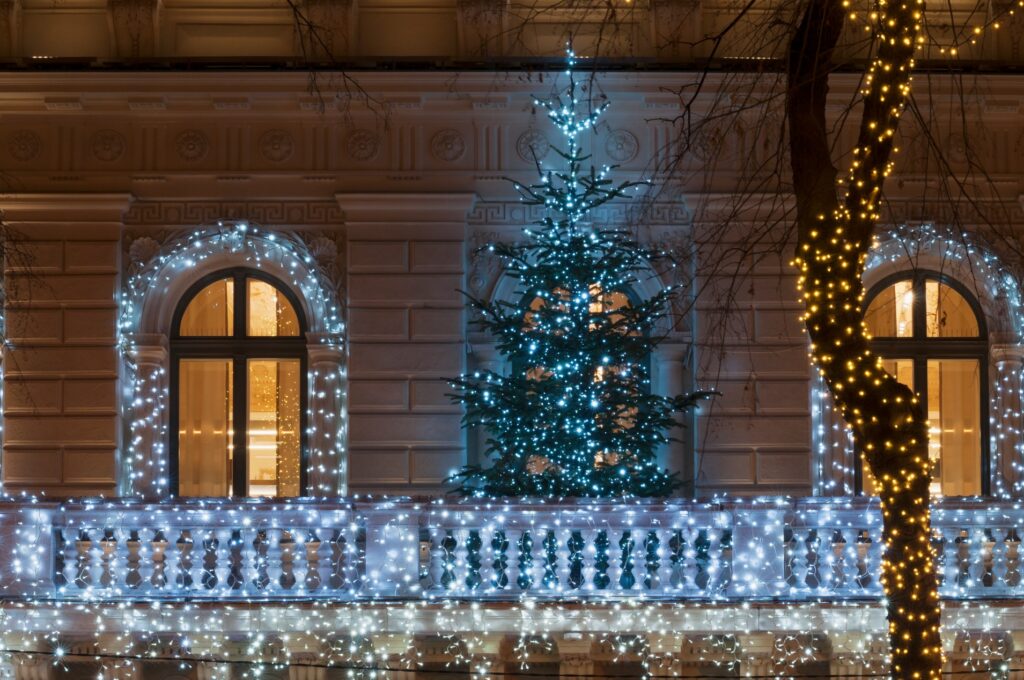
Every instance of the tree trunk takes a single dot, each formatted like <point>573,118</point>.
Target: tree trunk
<point>834,235</point>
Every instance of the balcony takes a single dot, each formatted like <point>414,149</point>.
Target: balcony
<point>808,549</point>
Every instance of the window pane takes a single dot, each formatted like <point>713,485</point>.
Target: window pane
<point>205,427</point>
<point>903,369</point>
<point>948,314</point>
<point>210,311</point>
<point>273,427</point>
<point>270,313</point>
<point>954,414</point>
<point>891,312</point>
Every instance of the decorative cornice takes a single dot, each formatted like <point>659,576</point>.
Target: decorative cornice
<point>52,207</point>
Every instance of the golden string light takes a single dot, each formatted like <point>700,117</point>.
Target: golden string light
<point>885,416</point>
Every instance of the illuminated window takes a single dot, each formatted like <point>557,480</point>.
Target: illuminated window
<point>930,333</point>
<point>239,385</point>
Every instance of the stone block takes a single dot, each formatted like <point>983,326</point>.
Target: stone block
<point>378,256</point>
<point>437,324</point>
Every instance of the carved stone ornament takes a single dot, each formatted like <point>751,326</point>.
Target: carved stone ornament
<point>363,145</point>
<point>447,145</point>
<point>192,145</point>
<point>24,145</point>
<point>276,146</point>
<point>108,145</point>
<point>532,145</point>
<point>621,145</point>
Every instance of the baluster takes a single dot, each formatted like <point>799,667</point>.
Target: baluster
<point>875,557</point>
<point>274,563</point>
<point>677,559</point>
<point>939,550</point>
<point>108,546</point>
<point>998,558</point>
<point>524,575</point>
<point>459,560</point>
<point>602,556</point>
<point>514,539</point>
<point>60,563</point>
<point>286,544</point>
<point>536,570</point>
<point>691,568</point>
<point>812,544</point>
<point>312,549</point>
<point>627,575</point>
<point>260,547</point>
<point>652,560</point>
<point>563,535</point>
<point>789,557</point>
<point>951,553</point>
<point>616,558</point>
<point>223,550</point>
<point>575,546</point>
<point>714,561</point>
<point>485,557</point>
<point>473,559</point>
<point>435,570</point>
<point>963,559</point>
<point>339,558</point>
<point>83,572</point>
<point>986,559</point>
<point>158,579</point>
<point>665,570</point>
<point>1012,558</point>
<point>133,575</point>
<point>500,550</point>
<point>183,580</point>
<point>352,560</point>
<point>208,576</point>
<point>236,560</point>
<point>550,550</point>
<point>589,558</point>
<point>702,559</point>
<point>838,560</point>
<point>724,564</point>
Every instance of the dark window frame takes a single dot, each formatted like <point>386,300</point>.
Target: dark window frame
<point>919,348</point>
<point>239,348</point>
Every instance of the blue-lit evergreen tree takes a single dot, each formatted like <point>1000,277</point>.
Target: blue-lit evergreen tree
<point>575,416</point>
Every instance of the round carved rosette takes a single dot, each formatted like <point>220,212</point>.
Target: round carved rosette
<point>447,145</point>
<point>532,145</point>
<point>24,145</point>
<point>108,145</point>
<point>276,146</point>
<point>621,146</point>
<point>363,145</point>
<point>192,145</point>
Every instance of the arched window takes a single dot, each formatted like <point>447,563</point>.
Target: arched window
<point>931,334</point>
<point>238,377</point>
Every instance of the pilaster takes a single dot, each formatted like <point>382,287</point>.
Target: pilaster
<point>406,266</point>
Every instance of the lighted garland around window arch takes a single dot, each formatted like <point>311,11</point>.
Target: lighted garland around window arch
<point>154,285</point>
<point>967,259</point>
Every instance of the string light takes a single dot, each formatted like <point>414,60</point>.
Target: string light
<point>146,468</point>
<point>575,417</point>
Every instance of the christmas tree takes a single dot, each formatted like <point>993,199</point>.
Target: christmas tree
<point>575,415</point>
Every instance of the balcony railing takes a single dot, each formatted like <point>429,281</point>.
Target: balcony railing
<point>772,549</point>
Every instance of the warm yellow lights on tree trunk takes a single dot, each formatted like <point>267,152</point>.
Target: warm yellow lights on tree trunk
<point>835,234</point>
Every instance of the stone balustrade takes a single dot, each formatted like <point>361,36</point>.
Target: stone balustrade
<point>770,549</point>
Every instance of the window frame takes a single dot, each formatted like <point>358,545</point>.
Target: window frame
<point>239,348</point>
<point>919,348</point>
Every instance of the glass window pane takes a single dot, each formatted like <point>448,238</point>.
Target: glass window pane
<point>891,312</point>
<point>269,312</point>
<point>273,427</point>
<point>948,313</point>
<point>954,415</point>
<point>205,427</point>
<point>210,312</point>
<point>903,369</point>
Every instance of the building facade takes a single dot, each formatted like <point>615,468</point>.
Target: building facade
<point>232,297</point>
